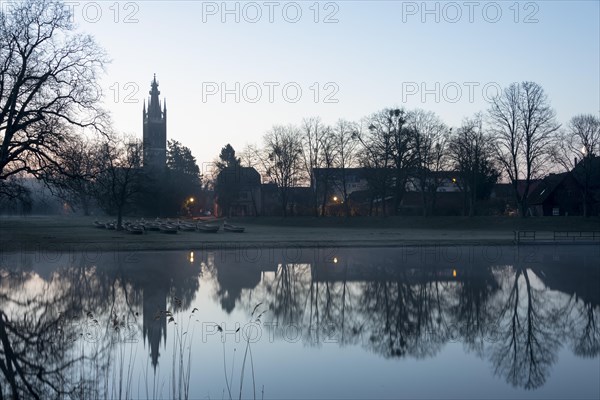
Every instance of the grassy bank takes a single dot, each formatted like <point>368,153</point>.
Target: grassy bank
<point>445,223</point>
<point>77,233</point>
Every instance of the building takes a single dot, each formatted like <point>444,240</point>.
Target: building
<point>442,181</point>
<point>587,173</point>
<point>238,192</point>
<point>328,185</point>
<point>364,186</point>
<point>503,195</point>
<point>332,180</point>
<point>155,130</point>
<point>557,194</point>
<point>564,194</point>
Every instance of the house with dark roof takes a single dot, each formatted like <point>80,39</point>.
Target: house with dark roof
<point>587,173</point>
<point>565,193</point>
<point>557,194</point>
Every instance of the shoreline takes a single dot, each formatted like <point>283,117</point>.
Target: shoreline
<point>79,234</point>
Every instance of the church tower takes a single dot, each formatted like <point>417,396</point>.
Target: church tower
<point>155,130</point>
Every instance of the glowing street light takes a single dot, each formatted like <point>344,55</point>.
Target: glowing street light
<point>335,198</point>
<point>188,205</point>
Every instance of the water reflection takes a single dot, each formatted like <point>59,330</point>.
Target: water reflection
<point>65,317</point>
<point>51,305</point>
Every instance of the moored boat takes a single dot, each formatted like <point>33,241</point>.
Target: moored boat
<point>207,228</point>
<point>152,226</point>
<point>233,228</point>
<point>165,228</point>
<point>186,227</point>
<point>135,229</point>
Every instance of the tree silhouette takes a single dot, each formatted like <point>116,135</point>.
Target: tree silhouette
<point>48,84</point>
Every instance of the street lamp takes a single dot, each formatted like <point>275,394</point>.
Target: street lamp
<point>188,205</point>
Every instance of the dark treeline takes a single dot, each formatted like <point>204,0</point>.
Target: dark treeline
<point>517,139</point>
<point>109,174</point>
<point>52,127</point>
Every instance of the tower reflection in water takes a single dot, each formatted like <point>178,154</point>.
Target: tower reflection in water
<point>513,307</point>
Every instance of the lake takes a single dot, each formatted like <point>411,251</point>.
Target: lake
<point>413,322</point>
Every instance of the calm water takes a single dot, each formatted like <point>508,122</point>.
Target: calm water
<point>431,322</point>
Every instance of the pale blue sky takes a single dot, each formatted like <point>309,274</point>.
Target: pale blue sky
<point>376,50</point>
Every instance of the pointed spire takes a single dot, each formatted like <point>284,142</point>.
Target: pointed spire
<point>154,102</point>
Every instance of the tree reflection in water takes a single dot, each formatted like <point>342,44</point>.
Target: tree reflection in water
<point>514,311</point>
<point>528,340</point>
<point>62,317</point>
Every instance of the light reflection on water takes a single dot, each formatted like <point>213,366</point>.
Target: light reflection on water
<point>443,322</point>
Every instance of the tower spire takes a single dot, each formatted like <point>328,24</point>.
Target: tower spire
<point>155,129</point>
<point>154,103</point>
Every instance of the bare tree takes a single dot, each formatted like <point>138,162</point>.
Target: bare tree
<point>312,132</point>
<point>119,180</point>
<point>71,177</point>
<point>430,147</point>
<point>48,76</point>
<point>577,149</point>
<point>324,180</point>
<point>377,145</point>
<point>471,153</point>
<point>250,156</point>
<point>524,123</point>
<point>586,130</point>
<point>403,151</point>
<point>346,146</point>
<point>283,160</point>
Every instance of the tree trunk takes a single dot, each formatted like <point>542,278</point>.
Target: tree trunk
<point>424,201</point>
<point>473,196</point>
<point>432,203</point>
<point>325,193</point>
<point>284,203</point>
<point>383,193</point>
<point>345,197</point>
<point>85,205</point>
<point>120,218</point>
<point>523,209</point>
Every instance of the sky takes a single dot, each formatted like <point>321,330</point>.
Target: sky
<point>230,71</point>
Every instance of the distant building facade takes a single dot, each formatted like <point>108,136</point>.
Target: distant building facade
<point>361,186</point>
<point>332,180</point>
<point>155,130</point>
<point>242,187</point>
